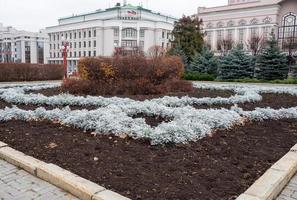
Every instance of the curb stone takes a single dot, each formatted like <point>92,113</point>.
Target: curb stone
<point>270,185</point>
<point>72,183</point>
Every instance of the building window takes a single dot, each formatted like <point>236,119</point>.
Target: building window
<point>266,32</point>
<point>90,53</point>
<point>287,33</point>
<point>241,36</point>
<point>141,44</point>
<point>230,34</point>
<point>85,53</point>
<point>94,53</point>
<point>74,44</point>
<point>75,54</point>
<point>85,34</point>
<point>70,35</point>
<point>141,33</point>
<point>163,34</point>
<point>254,32</point>
<point>219,35</point>
<point>79,35</point>
<point>94,33</point>
<point>94,43</point>
<point>209,37</point>
<point>129,32</point>
<point>90,34</point>
<point>85,44</point>
<point>75,35</point>
<point>116,32</point>
<point>79,53</point>
<point>79,44</point>
<point>70,54</point>
<point>90,43</point>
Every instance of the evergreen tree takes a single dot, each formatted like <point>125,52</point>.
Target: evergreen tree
<point>272,64</point>
<point>205,62</point>
<point>177,51</point>
<point>236,65</point>
<point>187,36</point>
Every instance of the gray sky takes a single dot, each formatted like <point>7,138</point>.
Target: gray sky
<point>33,15</point>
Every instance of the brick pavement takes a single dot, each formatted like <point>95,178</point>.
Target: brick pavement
<point>16,184</point>
<point>290,191</point>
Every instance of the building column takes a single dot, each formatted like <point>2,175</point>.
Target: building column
<point>138,36</point>
<point>22,50</point>
<point>120,36</point>
<point>214,40</point>
<point>33,51</point>
<point>236,36</point>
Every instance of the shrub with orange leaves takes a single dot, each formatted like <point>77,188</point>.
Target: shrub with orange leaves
<point>129,76</point>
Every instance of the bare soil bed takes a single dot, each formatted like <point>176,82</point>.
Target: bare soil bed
<point>218,167</point>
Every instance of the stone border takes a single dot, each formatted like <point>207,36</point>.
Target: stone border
<point>271,184</point>
<point>78,186</point>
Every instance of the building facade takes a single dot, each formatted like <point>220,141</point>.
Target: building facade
<point>22,46</point>
<point>242,20</point>
<point>100,33</point>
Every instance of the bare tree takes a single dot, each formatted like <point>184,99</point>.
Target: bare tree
<point>224,46</point>
<point>255,45</point>
<point>156,51</point>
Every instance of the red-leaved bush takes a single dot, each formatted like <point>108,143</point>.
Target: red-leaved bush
<point>133,75</point>
<point>30,72</point>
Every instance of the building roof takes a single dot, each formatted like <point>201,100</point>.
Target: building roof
<point>128,6</point>
<point>202,10</point>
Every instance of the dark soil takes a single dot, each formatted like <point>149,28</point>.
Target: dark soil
<point>198,93</point>
<point>219,167</point>
<point>275,101</point>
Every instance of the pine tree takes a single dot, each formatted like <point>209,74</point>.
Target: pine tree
<point>178,51</point>
<point>187,36</point>
<point>272,64</point>
<point>236,65</point>
<point>205,62</point>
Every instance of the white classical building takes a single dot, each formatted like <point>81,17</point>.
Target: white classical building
<point>99,33</point>
<point>22,46</point>
<point>242,20</point>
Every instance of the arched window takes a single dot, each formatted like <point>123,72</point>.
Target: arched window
<point>129,33</point>
<point>220,24</point>
<point>267,20</point>
<point>242,22</point>
<point>209,25</point>
<point>288,31</point>
<point>230,23</point>
<point>254,21</point>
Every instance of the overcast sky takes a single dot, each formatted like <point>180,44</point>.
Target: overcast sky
<point>33,15</point>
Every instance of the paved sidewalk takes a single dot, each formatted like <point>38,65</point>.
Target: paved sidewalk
<point>290,192</point>
<point>16,184</point>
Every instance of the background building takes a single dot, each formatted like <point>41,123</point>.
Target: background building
<point>22,46</point>
<point>99,33</point>
<point>242,20</point>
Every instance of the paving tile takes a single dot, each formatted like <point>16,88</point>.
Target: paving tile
<point>290,191</point>
<point>17,184</point>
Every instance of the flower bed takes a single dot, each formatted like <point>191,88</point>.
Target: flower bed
<point>114,115</point>
<point>130,145</point>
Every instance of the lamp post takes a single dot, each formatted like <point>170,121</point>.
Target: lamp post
<point>64,49</point>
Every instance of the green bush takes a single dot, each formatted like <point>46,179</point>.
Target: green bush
<point>196,76</point>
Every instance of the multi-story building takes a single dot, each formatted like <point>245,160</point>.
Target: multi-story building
<point>242,20</point>
<point>99,33</point>
<point>22,46</point>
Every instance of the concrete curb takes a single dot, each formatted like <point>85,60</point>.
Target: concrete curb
<point>78,186</point>
<point>271,184</point>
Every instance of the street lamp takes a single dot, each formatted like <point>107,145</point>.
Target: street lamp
<point>64,49</point>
